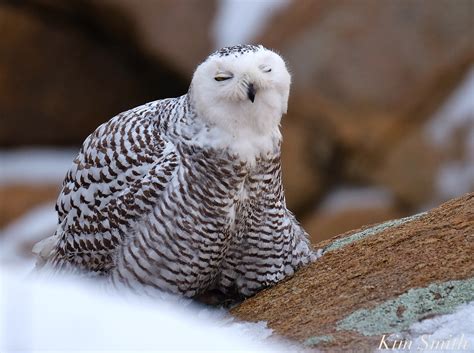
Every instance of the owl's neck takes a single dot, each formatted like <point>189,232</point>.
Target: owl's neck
<point>247,130</point>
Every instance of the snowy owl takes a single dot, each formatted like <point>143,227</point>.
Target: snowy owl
<point>185,194</point>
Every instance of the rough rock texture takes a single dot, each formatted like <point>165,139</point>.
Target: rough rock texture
<point>62,74</point>
<point>375,280</point>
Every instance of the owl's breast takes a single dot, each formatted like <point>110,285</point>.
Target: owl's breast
<point>248,200</point>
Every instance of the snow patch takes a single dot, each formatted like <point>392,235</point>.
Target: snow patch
<point>345,198</point>
<point>35,166</point>
<point>456,112</point>
<point>18,237</point>
<point>455,177</point>
<point>240,21</point>
<point>67,315</point>
<point>452,329</point>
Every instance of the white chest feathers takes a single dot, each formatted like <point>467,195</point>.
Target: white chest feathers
<point>246,144</point>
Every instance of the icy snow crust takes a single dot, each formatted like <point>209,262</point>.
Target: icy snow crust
<point>68,315</point>
<point>455,331</point>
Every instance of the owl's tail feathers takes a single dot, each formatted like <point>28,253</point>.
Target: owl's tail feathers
<point>43,250</point>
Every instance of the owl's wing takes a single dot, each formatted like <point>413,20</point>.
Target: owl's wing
<point>119,173</point>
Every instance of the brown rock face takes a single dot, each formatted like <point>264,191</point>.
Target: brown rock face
<point>370,74</point>
<point>324,225</point>
<point>176,32</point>
<point>370,54</point>
<point>62,74</point>
<point>410,169</point>
<point>16,200</point>
<point>422,265</point>
<point>303,160</point>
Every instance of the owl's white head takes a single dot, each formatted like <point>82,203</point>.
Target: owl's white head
<point>242,90</point>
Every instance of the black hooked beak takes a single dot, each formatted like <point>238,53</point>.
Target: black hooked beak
<point>251,92</point>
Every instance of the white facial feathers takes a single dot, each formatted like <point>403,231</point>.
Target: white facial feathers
<point>243,91</point>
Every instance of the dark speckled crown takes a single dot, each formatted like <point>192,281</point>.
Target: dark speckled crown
<point>236,50</point>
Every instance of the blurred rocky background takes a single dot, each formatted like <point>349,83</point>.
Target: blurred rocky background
<point>381,115</point>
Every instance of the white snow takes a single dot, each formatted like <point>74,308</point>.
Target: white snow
<point>456,112</point>
<point>67,315</point>
<point>35,166</point>
<point>240,21</point>
<point>39,166</point>
<point>455,177</point>
<point>455,331</point>
<point>346,197</point>
<point>15,239</point>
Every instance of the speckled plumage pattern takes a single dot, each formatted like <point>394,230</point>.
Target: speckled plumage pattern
<point>236,50</point>
<point>153,202</point>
